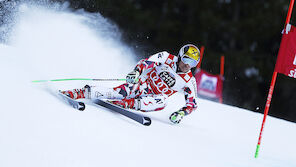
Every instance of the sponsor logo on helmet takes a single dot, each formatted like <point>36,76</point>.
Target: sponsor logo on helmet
<point>193,53</point>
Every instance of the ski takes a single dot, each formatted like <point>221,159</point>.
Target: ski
<point>75,104</point>
<point>136,117</point>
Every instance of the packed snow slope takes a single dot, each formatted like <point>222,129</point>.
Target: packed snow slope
<point>38,130</point>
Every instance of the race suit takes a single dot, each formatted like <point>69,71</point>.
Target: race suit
<point>158,80</point>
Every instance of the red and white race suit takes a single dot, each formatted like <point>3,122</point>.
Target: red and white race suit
<point>159,79</point>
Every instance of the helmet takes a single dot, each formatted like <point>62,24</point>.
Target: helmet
<point>189,54</point>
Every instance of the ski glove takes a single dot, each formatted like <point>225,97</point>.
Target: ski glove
<point>133,77</point>
<point>177,116</point>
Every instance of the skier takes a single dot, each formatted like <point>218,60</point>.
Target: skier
<point>151,82</point>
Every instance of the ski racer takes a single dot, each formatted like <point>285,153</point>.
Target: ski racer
<point>151,82</point>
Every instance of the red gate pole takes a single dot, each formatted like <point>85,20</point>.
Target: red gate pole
<point>202,49</point>
<point>267,105</point>
<point>274,76</point>
<point>221,74</point>
<point>222,66</point>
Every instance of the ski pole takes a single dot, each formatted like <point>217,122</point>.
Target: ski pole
<point>78,79</point>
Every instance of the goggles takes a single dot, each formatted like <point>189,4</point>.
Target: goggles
<point>187,60</point>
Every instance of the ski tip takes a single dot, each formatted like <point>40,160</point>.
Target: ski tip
<point>81,106</point>
<point>146,121</point>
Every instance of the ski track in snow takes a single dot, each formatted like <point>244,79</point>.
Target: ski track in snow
<point>36,129</point>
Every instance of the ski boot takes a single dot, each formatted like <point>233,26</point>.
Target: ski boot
<point>126,103</point>
<point>75,94</point>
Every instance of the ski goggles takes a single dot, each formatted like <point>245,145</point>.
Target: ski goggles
<point>188,60</point>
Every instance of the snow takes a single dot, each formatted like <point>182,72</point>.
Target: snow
<point>38,130</point>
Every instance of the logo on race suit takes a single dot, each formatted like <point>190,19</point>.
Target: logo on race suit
<point>98,94</point>
<point>160,55</point>
<point>168,79</point>
<point>294,60</point>
<point>169,61</point>
<point>158,101</point>
<point>158,85</point>
<point>164,68</point>
<point>146,104</point>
